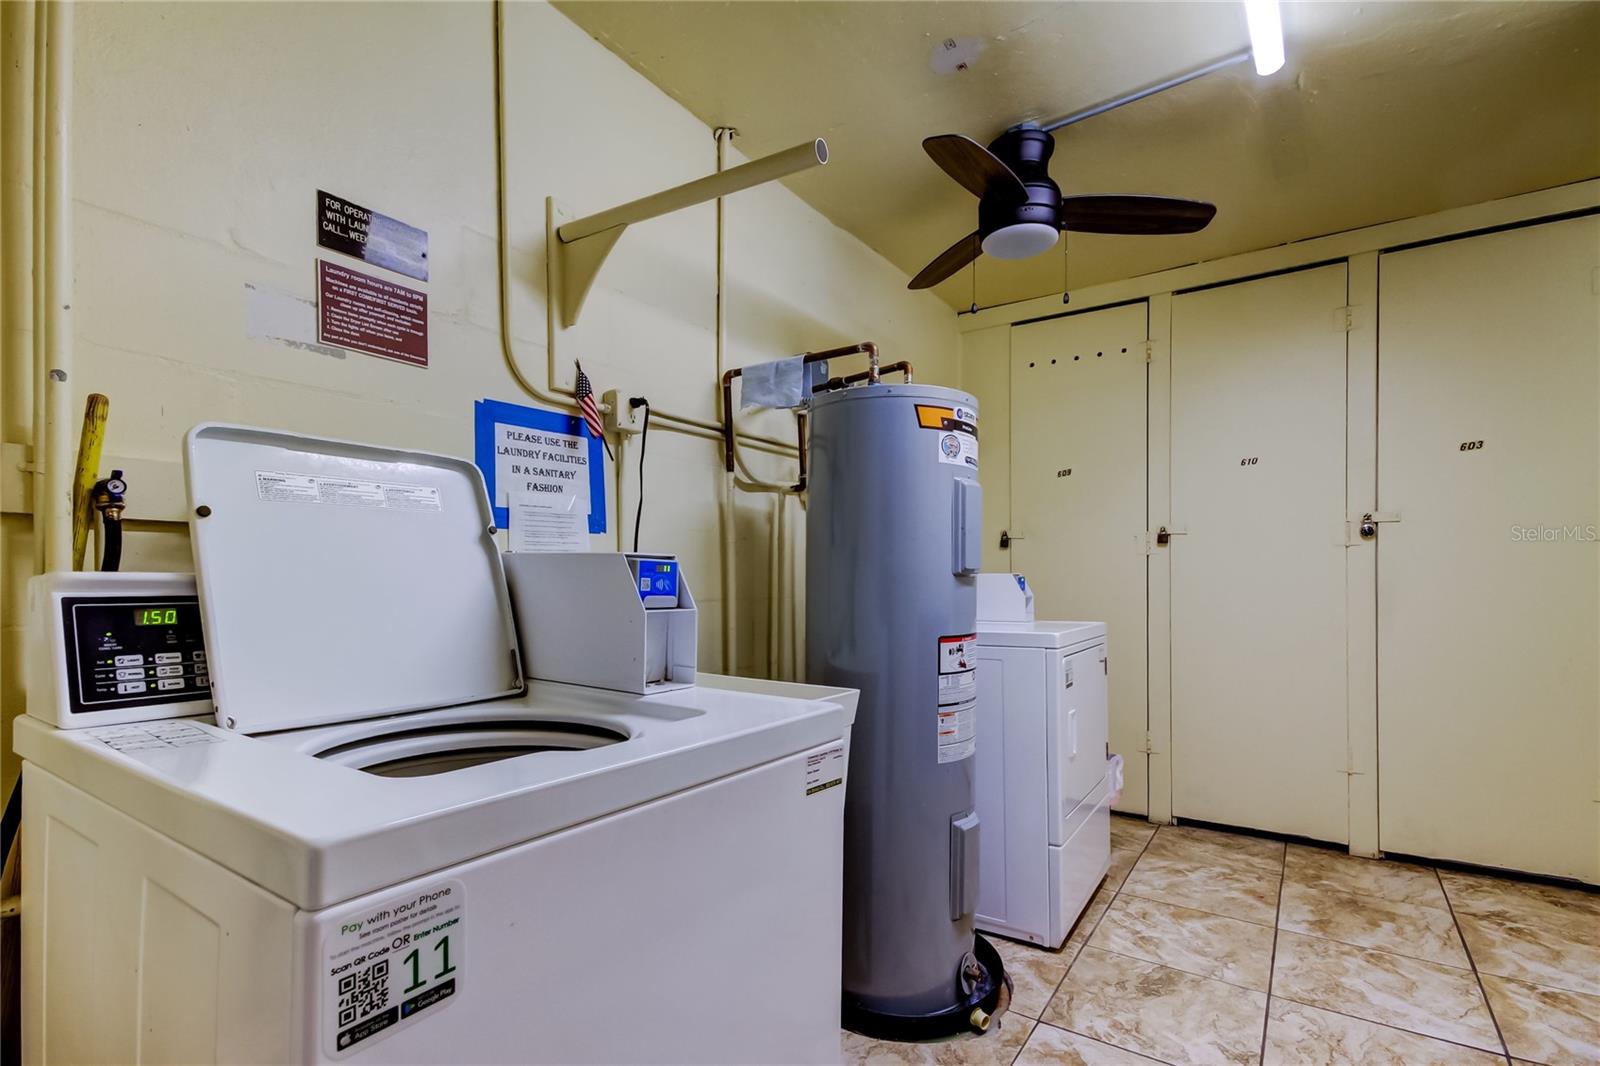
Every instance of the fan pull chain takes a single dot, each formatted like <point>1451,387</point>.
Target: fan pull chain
<point>974,308</point>
<point>1066,297</point>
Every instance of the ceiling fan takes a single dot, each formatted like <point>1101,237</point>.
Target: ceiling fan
<point>1021,211</point>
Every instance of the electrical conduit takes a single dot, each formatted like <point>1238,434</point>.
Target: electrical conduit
<point>52,281</point>
<point>551,393</point>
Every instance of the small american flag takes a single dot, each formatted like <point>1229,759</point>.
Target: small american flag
<point>583,392</point>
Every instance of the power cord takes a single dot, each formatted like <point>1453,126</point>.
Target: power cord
<point>635,402</point>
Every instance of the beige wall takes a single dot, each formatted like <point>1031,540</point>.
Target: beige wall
<point>201,134</point>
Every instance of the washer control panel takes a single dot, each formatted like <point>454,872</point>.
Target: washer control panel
<point>109,648</point>
<point>128,651</point>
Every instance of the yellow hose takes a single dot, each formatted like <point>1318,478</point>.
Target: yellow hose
<point>95,413</point>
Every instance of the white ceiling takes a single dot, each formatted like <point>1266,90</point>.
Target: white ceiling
<point>1383,111</point>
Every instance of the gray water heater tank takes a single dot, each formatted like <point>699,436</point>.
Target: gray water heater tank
<point>893,546</point>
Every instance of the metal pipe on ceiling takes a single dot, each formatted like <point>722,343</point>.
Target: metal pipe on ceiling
<point>1173,82</point>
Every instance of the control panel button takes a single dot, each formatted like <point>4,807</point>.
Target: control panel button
<point>131,674</point>
<point>202,681</point>
<point>130,660</point>
<point>199,656</point>
<point>127,688</point>
<point>169,671</point>
<point>166,684</point>
<point>170,657</point>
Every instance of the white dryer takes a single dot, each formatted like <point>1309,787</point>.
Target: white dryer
<point>1043,782</point>
<point>386,846</point>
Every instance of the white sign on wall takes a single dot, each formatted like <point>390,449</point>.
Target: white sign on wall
<point>541,464</point>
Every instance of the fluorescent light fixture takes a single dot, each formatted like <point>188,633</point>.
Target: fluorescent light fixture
<point>1266,35</point>
<point>1020,240</point>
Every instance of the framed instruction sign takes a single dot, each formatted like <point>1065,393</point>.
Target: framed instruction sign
<point>527,453</point>
<point>368,314</point>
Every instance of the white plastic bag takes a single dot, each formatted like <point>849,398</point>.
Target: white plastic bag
<point>776,384</point>
<point>1114,772</point>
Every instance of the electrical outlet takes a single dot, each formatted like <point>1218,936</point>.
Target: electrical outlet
<point>619,417</point>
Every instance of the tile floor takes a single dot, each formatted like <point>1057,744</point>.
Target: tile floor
<point>1208,947</point>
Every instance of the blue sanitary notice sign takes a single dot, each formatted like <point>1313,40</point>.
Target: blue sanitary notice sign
<point>533,453</point>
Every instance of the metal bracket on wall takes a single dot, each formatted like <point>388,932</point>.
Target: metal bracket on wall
<point>576,250</point>
<point>570,269</point>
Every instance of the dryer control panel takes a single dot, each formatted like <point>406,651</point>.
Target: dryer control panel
<point>116,647</point>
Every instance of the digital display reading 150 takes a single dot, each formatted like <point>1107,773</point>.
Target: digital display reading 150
<point>155,616</point>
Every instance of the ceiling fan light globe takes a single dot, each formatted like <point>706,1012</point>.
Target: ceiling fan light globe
<point>1021,240</point>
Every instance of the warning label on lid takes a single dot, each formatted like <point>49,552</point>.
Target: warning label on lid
<point>277,486</point>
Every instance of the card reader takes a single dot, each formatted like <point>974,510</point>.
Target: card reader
<point>656,577</point>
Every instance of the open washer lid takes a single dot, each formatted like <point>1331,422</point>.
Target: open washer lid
<point>341,581</point>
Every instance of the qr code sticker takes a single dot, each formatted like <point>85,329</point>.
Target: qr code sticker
<point>363,992</point>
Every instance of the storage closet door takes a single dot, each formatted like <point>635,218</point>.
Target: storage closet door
<point>1078,402</point>
<point>1258,579</point>
<point>1489,585</point>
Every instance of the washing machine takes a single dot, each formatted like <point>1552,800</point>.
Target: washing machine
<point>348,829</point>
<point>1044,788</point>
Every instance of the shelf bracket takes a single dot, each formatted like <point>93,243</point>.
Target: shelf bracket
<point>577,249</point>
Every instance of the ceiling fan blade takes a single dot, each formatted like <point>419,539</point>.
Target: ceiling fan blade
<point>949,261</point>
<point>978,170</point>
<point>1134,214</point>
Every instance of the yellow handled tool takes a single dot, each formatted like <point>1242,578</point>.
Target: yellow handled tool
<point>95,413</point>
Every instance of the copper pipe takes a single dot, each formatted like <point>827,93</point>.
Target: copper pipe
<point>800,432</point>
<point>727,418</point>
<point>904,366</point>
<point>867,348</point>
